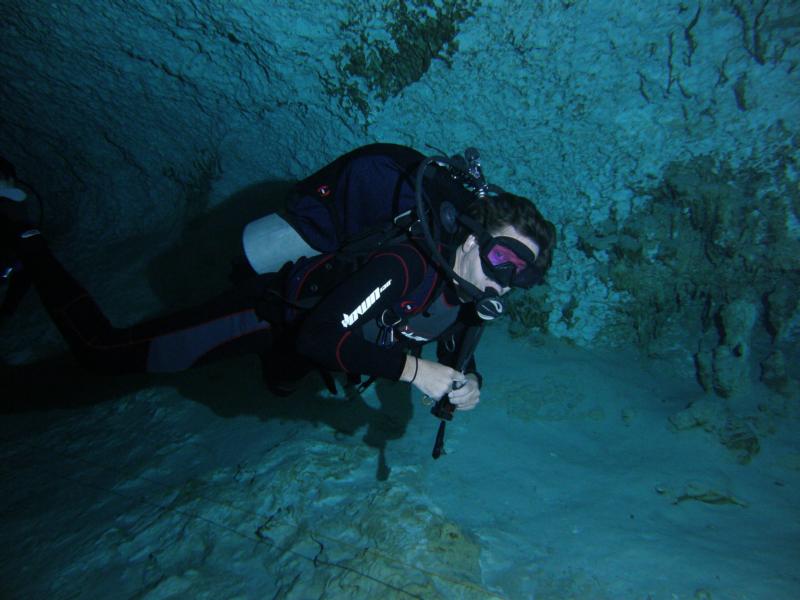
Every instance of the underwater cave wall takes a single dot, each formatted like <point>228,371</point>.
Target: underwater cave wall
<point>133,116</point>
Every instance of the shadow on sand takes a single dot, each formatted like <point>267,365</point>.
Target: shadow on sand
<point>201,264</point>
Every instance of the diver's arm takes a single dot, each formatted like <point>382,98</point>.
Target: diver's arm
<point>449,356</point>
<point>448,348</point>
<point>429,377</point>
<point>436,380</point>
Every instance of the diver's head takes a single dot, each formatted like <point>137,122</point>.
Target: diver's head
<point>511,244</point>
<point>496,240</point>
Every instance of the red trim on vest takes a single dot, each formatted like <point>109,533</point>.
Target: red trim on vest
<point>402,262</point>
<point>421,257</point>
<point>338,351</point>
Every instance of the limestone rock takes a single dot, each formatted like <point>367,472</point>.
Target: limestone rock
<point>740,437</point>
<point>738,434</point>
<point>704,369</point>
<point>703,492</point>
<point>782,307</point>
<point>730,368</point>
<point>773,372</point>
<point>698,491</point>
<point>708,413</point>
<point>736,324</point>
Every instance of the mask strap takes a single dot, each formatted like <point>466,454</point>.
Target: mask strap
<point>483,236</point>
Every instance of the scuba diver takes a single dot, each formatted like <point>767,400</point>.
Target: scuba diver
<point>378,253</point>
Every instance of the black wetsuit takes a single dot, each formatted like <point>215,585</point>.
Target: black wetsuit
<point>349,328</point>
<point>351,331</point>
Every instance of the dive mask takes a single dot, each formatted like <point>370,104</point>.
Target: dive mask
<point>510,263</point>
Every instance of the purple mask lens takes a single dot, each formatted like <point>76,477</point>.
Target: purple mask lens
<point>500,255</point>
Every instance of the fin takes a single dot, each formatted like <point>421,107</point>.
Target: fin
<point>10,192</point>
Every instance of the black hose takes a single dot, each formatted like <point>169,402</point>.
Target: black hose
<point>444,409</point>
<point>472,291</point>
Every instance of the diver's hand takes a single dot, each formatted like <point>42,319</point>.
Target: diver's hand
<point>467,396</point>
<point>432,379</point>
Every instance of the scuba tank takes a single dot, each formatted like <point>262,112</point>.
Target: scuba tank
<point>348,201</point>
<point>270,242</point>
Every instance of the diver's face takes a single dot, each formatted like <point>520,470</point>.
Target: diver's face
<point>468,259</point>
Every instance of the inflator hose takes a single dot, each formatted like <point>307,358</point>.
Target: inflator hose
<point>487,305</point>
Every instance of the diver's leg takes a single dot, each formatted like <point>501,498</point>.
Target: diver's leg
<point>17,283</point>
<point>226,326</point>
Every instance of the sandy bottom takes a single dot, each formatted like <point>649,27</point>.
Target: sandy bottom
<point>567,482</point>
